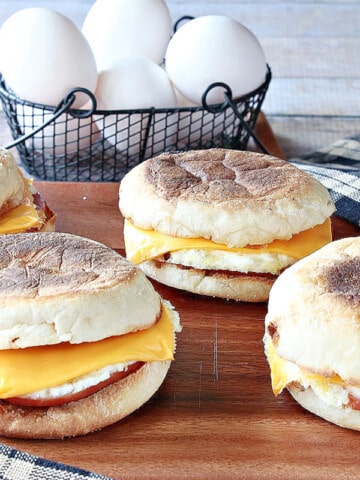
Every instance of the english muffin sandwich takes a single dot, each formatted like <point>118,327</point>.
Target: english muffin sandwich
<point>84,338</point>
<point>22,208</point>
<point>312,332</point>
<point>222,223</point>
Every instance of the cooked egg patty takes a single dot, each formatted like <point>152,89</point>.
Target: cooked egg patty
<point>238,262</point>
<point>78,384</point>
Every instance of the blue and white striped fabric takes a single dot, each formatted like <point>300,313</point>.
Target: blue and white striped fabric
<point>18,465</point>
<point>338,169</point>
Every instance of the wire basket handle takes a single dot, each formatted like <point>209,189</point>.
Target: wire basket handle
<point>63,106</point>
<point>215,108</point>
<point>180,20</point>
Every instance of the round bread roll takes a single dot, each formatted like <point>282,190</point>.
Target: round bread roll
<point>12,186</point>
<point>72,290</point>
<point>313,324</point>
<point>91,413</point>
<point>232,197</point>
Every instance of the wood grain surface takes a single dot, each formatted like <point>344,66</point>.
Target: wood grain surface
<point>215,414</point>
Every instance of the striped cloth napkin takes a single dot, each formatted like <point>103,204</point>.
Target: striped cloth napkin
<point>18,465</point>
<point>338,168</point>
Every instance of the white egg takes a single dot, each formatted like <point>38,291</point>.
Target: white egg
<point>134,83</point>
<point>43,55</point>
<point>63,136</point>
<point>120,28</point>
<point>214,48</point>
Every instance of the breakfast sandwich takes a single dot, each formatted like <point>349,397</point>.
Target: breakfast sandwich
<point>85,340</point>
<point>312,333</point>
<point>222,223</point>
<point>22,207</point>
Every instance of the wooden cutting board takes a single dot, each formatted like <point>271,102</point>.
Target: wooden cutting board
<point>215,415</point>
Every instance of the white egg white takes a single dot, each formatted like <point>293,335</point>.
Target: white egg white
<point>238,262</point>
<point>78,384</point>
<point>331,394</point>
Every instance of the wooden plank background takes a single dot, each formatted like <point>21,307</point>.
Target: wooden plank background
<point>311,46</point>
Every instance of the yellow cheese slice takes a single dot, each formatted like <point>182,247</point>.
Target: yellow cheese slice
<point>23,217</point>
<point>142,245</point>
<point>23,371</point>
<point>19,219</point>
<point>284,372</point>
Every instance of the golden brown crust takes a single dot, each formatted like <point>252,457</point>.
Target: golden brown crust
<point>221,284</point>
<point>225,176</point>
<point>99,410</point>
<point>229,196</point>
<point>59,264</point>
<point>342,280</point>
<point>57,287</point>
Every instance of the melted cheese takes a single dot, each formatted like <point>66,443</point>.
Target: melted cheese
<point>284,372</point>
<point>21,218</point>
<point>142,245</point>
<point>23,371</point>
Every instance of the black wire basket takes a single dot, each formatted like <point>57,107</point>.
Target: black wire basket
<point>65,144</point>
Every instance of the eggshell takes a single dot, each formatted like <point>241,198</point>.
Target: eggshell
<point>63,136</point>
<point>43,55</point>
<point>121,28</point>
<point>214,48</point>
<point>134,83</point>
